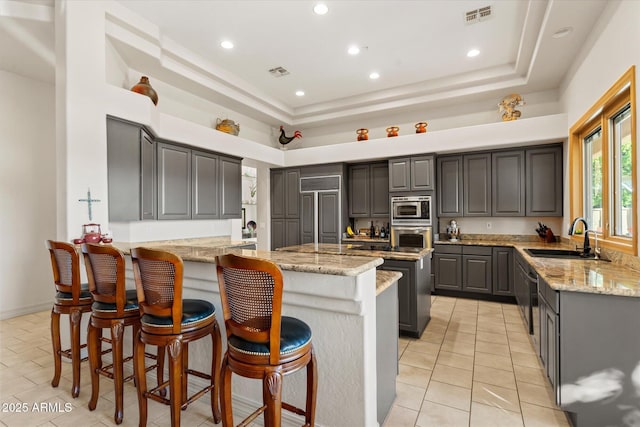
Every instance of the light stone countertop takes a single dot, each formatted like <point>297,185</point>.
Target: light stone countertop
<point>206,249</point>
<point>355,249</point>
<point>385,278</point>
<point>571,275</point>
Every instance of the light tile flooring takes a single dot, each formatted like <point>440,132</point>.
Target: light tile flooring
<point>473,366</point>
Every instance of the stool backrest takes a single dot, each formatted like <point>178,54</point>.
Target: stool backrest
<point>251,295</point>
<point>65,263</point>
<point>158,276</point>
<point>105,272</point>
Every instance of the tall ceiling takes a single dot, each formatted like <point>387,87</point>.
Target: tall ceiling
<point>419,48</point>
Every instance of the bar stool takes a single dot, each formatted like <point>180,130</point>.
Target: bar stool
<point>72,298</point>
<point>114,308</point>
<point>261,343</point>
<point>167,320</point>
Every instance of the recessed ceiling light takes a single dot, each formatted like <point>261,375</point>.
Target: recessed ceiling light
<point>353,50</point>
<point>299,93</point>
<point>227,44</point>
<point>562,32</point>
<point>473,52</point>
<point>320,9</point>
<point>374,76</point>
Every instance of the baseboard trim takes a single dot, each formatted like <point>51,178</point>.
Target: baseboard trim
<point>8,314</point>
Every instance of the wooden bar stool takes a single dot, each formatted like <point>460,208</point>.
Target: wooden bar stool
<point>72,298</point>
<point>114,308</point>
<point>261,343</point>
<point>170,321</point>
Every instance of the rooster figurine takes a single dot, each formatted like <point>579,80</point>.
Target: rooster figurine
<point>284,139</point>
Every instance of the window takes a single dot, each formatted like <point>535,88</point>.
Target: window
<point>603,166</point>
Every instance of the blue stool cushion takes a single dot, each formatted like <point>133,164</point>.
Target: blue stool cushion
<point>131,303</point>
<point>193,310</point>
<point>294,333</point>
<point>84,293</point>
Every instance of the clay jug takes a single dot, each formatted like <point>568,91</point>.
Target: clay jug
<point>143,87</point>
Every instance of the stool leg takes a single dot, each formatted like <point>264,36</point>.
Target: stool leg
<point>140,376</point>
<point>312,389</point>
<point>55,341</point>
<point>216,350</point>
<point>75,317</point>
<point>160,369</point>
<point>225,400</point>
<point>117,331</point>
<point>185,367</point>
<point>94,363</point>
<point>175,383</point>
<point>272,396</point>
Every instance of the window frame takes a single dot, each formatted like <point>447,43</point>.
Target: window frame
<point>600,115</point>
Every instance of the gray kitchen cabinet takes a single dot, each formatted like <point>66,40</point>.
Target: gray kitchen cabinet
<point>447,266</point>
<point>411,173</point>
<point>174,182</point>
<point>369,190</point>
<point>131,171</point>
<point>544,181</point>
<point>414,294</point>
<point>476,269</point>
<point>329,217</point>
<point>503,271</point>
<point>205,195</point>
<point>307,218</point>
<point>231,188</point>
<point>477,184</point>
<point>450,186</point>
<point>285,208</point>
<point>508,183</point>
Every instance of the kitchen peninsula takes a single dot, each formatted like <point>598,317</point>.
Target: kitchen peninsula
<point>335,295</point>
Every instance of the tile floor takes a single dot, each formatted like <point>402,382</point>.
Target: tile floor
<point>473,366</point>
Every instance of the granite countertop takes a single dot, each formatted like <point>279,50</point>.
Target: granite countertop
<point>571,275</point>
<point>206,249</point>
<point>355,250</point>
<point>366,239</point>
<point>385,278</point>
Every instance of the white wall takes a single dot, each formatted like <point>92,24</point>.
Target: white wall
<point>604,58</point>
<point>27,193</point>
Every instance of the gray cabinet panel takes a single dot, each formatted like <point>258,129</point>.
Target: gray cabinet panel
<point>508,183</point>
<point>400,174</point>
<point>359,191</point>
<point>450,186</point>
<point>277,234</point>
<point>292,191</point>
<point>278,193</point>
<point>174,182</point>
<point>148,196</point>
<point>307,220</point>
<point>422,173</point>
<point>448,271</point>
<point>292,232</point>
<point>204,169</point>
<point>379,177</point>
<point>406,293</point>
<point>476,273</point>
<point>503,271</point>
<point>544,181</point>
<point>477,184</point>
<point>329,217</point>
<point>231,187</point>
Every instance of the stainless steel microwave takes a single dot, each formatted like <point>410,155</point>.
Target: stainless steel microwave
<point>411,210</point>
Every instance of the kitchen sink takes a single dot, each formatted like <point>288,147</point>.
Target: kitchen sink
<point>560,253</point>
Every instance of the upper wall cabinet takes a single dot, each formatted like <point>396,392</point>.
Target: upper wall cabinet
<point>230,185</point>
<point>411,173</point>
<point>477,184</point>
<point>174,182</point>
<point>131,171</point>
<point>450,186</point>
<point>544,181</point>
<point>369,190</point>
<point>508,183</point>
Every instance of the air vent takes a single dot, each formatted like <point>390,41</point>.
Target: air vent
<point>278,72</point>
<point>477,15</point>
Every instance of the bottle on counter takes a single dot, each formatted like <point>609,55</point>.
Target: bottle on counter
<point>383,232</point>
<point>372,231</point>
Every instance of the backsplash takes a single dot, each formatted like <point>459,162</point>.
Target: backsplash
<point>502,225</point>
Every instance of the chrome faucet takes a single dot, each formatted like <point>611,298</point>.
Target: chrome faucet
<point>586,247</point>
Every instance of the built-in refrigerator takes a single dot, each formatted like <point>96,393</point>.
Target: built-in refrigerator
<point>321,217</point>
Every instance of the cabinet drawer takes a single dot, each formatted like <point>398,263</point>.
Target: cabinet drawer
<point>448,249</point>
<point>477,250</point>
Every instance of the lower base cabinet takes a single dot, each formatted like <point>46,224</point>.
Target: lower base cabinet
<point>549,331</point>
<point>463,268</point>
<point>414,294</point>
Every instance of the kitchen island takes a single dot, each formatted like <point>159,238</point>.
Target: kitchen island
<point>336,296</point>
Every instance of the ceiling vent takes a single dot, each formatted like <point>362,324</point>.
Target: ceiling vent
<point>278,72</point>
<point>477,15</point>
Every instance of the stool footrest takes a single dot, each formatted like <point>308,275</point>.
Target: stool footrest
<point>67,353</point>
<point>255,414</point>
<point>293,409</point>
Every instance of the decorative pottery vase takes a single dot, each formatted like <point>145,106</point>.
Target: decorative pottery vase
<point>228,126</point>
<point>392,131</point>
<point>143,87</point>
<point>363,134</point>
<point>421,127</point>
